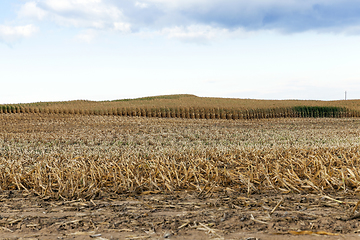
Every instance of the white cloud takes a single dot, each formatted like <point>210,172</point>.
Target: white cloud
<point>202,33</point>
<point>177,3</point>
<point>95,14</point>
<point>122,27</point>
<point>88,16</point>
<point>193,33</point>
<point>283,16</point>
<point>141,5</point>
<point>31,10</point>
<point>66,5</point>
<point>198,20</point>
<point>10,34</point>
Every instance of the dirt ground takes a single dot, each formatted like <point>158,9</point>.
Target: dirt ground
<point>183,215</point>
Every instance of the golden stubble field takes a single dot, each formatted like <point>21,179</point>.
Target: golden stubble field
<point>76,176</point>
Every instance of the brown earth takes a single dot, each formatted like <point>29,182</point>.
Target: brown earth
<point>182,215</point>
<point>223,214</point>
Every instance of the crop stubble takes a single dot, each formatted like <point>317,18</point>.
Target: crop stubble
<point>84,156</point>
<point>73,157</point>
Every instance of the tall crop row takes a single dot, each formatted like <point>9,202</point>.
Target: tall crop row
<point>197,113</point>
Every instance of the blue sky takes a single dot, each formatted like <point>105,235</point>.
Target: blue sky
<point>55,50</point>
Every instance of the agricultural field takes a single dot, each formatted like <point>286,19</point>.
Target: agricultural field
<point>193,107</point>
<point>109,176</point>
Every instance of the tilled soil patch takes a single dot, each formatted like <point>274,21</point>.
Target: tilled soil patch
<point>180,215</point>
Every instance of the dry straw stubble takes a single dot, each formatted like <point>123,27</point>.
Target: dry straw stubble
<point>80,156</point>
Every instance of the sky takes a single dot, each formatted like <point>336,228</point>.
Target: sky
<point>59,50</point>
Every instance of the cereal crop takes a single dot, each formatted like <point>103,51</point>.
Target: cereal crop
<point>75,156</point>
<point>193,107</point>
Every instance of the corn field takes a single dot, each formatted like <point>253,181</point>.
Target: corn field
<point>290,170</point>
<point>198,113</point>
<point>83,156</point>
<point>193,107</point>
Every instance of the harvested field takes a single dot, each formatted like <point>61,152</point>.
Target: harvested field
<point>136,178</point>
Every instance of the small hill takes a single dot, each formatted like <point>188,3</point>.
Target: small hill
<point>165,105</point>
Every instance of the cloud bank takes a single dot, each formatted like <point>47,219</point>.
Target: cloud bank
<point>189,20</point>
<point>11,34</point>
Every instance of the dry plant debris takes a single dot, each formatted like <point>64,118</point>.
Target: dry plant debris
<point>149,216</point>
<point>67,158</point>
<point>139,178</point>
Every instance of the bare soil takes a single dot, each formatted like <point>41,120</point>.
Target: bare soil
<point>182,215</point>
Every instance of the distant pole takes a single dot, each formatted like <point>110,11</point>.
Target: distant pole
<point>345,95</point>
